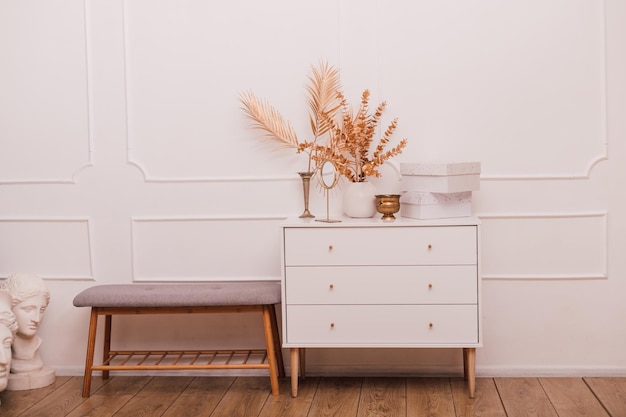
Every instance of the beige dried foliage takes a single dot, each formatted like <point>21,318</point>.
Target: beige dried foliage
<point>265,117</point>
<point>323,99</point>
<point>323,92</point>
<point>351,139</point>
<point>350,135</point>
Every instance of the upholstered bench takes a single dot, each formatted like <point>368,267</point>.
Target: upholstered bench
<point>185,298</point>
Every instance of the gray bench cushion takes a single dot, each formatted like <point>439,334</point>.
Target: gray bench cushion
<point>181,295</point>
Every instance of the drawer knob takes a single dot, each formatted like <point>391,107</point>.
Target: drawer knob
<point>430,325</point>
<point>430,286</point>
<point>332,325</point>
<point>430,246</point>
<point>330,248</point>
<point>331,286</point>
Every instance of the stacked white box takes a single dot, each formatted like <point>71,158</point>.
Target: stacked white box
<point>440,177</point>
<point>421,205</point>
<point>438,190</point>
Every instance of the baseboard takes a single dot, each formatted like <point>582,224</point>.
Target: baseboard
<point>384,370</point>
<point>550,371</point>
<point>392,371</point>
<point>80,371</point>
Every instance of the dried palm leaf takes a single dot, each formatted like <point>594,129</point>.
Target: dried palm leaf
<point>268,119</point>
<point>323,97</point>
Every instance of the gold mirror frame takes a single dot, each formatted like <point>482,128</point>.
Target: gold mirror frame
<point>328,169</point>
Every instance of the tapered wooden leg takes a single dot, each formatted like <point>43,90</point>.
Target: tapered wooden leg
<point>91,346</point>
<point>277,344</point>
<point>271,353</point>
<point>465,363</point>
<point>294,371</point>
<point>107,343</point>
<point>469,364</point>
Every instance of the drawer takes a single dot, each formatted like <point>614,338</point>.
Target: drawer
<point>423,245</point>
<point>381,325</point>
<point>453,284</point>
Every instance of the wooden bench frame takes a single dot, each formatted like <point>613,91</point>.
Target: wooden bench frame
<point>271,357</point>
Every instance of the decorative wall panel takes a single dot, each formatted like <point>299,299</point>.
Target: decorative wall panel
<point>206,249</point>
<point>44,109</point>
<point>499,82</point>
<point>51,248</point>
<point>517,85</point>
<point>188,60</point>
<point>550,246</point>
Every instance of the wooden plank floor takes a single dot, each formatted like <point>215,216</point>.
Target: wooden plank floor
<point>338,397</point>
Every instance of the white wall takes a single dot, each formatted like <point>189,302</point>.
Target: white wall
<point>125,157</point>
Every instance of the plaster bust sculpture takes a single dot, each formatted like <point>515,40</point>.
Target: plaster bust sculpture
<point>8,329</point>
<point>30,297</point>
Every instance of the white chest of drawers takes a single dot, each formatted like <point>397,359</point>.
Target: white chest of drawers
<point>370,283</point>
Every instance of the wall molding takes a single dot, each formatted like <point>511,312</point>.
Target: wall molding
<point>544,215</point>
<point>35,181</point>
<point>599,275</point>
<point>89,100</point>
<point>584,173</point>
<point>224,217</point>
<point>595,160</point>
<point>547,177</point>
<point>57,277</point>
<point>148,178</point>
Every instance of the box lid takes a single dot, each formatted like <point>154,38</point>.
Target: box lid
<point>440,168</point>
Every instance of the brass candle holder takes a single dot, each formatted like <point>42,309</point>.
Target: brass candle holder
<point>387,205</point>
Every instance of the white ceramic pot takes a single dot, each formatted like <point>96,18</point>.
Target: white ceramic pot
<point>359,199</point>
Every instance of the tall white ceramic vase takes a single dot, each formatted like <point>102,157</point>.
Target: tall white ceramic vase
<point>359,199</point>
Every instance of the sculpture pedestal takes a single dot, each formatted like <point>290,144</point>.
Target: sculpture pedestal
<point>39,379</point>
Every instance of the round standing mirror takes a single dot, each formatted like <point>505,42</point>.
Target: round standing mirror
<point>328,179</point>
<point>329,175</point>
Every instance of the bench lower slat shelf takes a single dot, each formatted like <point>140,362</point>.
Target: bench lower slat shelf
<point>148,358</point>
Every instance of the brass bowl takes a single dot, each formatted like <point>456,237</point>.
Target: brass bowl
<point>387,205</point>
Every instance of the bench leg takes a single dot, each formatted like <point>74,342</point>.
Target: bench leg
<point>277,344</point>
<point>271,353</point>
<point>91,346</point>
<point>106,348</point>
